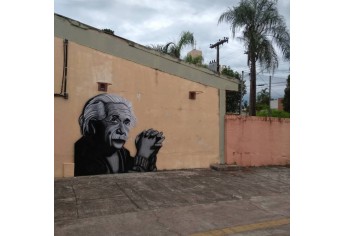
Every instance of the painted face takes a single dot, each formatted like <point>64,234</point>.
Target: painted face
<point>116,125</point>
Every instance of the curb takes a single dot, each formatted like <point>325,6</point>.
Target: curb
<point>224,167</point>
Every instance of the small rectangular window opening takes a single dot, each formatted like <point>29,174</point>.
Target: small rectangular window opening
<point>103,86</point>
<point>192,95</point>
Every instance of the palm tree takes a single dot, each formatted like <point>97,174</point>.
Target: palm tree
<point>262,29</point>
<point>157,47</point>
<point>174,49</point>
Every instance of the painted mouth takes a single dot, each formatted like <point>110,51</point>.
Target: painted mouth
<point>118,141</point>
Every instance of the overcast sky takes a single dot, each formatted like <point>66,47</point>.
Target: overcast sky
<point>148,22</point>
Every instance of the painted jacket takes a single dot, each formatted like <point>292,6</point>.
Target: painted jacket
<point>90,158</point>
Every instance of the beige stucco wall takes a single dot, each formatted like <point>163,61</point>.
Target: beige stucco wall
<point>257,141</point>
<point>160,100</point>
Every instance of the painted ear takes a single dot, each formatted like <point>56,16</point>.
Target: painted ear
<point>92,127</point>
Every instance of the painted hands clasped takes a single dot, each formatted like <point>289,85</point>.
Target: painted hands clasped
<point>149,142</point>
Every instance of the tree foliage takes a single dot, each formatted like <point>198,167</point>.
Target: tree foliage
<point>263,100</point>
<point>245,105</point>
<point>174,48</point>
<point>108,31</point>
<point>262,29</point>
<point>274,113</point>
<point>286,99</point>
<point>197,60</point>
<point>233,98</point>
<point>229,72</point>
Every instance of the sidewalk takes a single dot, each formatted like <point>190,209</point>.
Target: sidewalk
<point>253,201</point>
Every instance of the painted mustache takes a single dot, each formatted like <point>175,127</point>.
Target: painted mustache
<point>119,136</point>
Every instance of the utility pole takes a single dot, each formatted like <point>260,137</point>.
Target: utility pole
<point>220,42</point>
<point>241,88</point>
<point>269,101</point>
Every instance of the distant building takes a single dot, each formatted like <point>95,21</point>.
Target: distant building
<point>195,53</point>
<point>277,104</point>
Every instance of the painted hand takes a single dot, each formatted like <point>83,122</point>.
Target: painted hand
<point>149,142</point>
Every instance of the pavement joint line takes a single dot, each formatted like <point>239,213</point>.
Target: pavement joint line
<point>244,228</point>
<point>279,181</point>
<point>130,199</point>
<point>76,201</point>
<point>162,224</point>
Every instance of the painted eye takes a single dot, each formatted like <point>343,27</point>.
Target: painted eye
<point>114,119</point>
<point>127,122</point>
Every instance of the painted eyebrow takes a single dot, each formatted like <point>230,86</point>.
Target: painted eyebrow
<point>115,116</point>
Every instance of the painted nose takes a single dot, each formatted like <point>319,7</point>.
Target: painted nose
<point>119,131</point>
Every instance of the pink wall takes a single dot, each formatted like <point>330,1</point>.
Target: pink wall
<point>257,141</point>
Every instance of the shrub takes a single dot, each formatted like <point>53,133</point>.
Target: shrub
<point>274,113</point>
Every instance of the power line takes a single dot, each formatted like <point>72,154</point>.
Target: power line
<point>279,83</point>
<point>265,83</point>
<point>276,93</point>
<point>262,79</point>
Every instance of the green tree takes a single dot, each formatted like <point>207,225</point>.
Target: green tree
<point>174,49</point>
<point>263,100</point>
<point>286,99</point>
<point>245,105</point>
<point>108,31</point>
<point>262,27</point>
<point>233,98</point>
<point>194,60</point>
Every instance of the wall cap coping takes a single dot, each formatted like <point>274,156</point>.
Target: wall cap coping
<point>210,78</point>
<point>257,118</point>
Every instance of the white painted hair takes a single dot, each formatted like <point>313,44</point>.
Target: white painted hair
<point>94,109</point>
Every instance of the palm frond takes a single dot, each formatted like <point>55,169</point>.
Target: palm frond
<point>166,48</point>
<point>267,56</point>
<point>156,47</point>
<point>187,38</point>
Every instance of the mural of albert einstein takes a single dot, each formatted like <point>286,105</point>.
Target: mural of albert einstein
<point>105,123</point>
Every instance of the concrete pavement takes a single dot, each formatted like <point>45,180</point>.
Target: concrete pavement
<point>252,201</point>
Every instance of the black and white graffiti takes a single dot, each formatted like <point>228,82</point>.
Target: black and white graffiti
<point>105,123</point>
